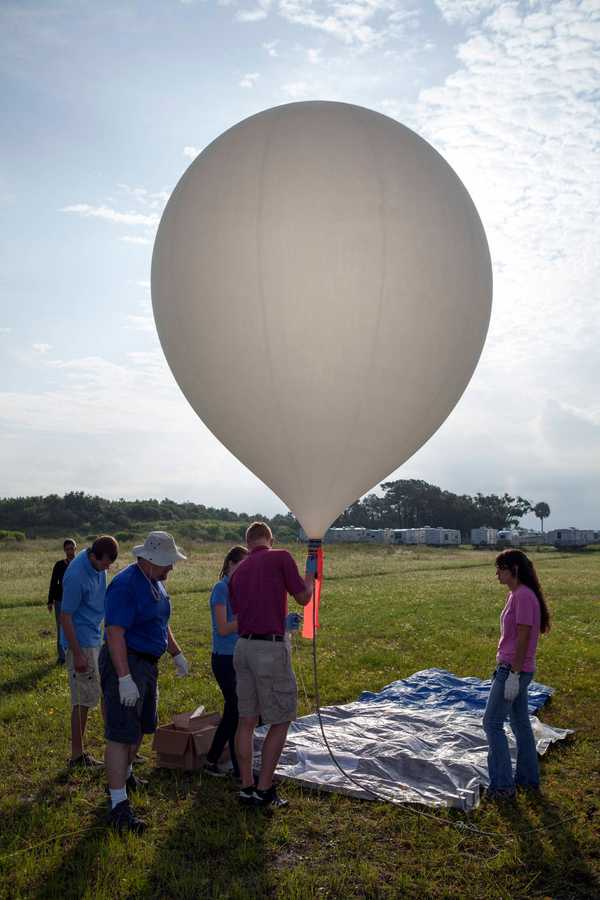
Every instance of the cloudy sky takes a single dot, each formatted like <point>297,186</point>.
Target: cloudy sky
<point>105,105</point>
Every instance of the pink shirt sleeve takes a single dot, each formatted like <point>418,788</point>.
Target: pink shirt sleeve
<point>525,606</point>
<point>294,583</point>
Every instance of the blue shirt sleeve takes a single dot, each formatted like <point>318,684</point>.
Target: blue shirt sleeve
<point>220,594</point>
<point>71,598</point>
<point>121,604</point>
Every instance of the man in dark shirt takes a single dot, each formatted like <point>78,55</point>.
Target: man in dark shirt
<point>55,591</point>
<point>137,634</point>
<point>266,685</point>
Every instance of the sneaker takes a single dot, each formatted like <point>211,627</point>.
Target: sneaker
<point>85,761</point>
<point>248,797</point>
<point>213,769</point>
<point>138,759</point>
<point>121,818</point>
<point>134,783</point>
<point>270,798</point>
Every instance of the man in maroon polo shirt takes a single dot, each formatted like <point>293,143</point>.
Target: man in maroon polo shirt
<point>266,684</point>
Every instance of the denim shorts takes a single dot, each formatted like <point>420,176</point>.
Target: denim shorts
<point>127,724</point>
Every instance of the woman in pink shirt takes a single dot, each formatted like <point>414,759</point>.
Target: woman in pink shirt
<point>525,616</point>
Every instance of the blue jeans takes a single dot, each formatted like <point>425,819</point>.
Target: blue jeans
<point>60,653</point>
<point>496,712</point>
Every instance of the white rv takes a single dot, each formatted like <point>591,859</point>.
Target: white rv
<point>572,538</point>
<point>506,538</point>
<point>484,537</point>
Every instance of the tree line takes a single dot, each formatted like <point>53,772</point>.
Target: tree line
<point>412,503</point>
<point>406,503</point>
<point>80,513</point>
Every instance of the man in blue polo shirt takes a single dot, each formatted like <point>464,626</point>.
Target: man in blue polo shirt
<point>84,588</point>
<point>137,634</point>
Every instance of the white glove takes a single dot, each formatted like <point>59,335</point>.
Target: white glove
<point>182,665</point>
<point>128,691</point>
<point>511,687</point>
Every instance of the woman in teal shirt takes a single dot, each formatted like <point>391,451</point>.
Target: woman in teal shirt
<point>224,639</point>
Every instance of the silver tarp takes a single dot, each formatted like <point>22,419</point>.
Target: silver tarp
<point>401,752</point>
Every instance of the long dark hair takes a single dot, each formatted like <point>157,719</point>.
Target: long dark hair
<point>524,570</point>
<point>235,555</point>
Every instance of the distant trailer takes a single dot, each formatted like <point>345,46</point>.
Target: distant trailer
<point>432,537</point>
<point>348,535</point>
<point>375,535</point>
<point>440,537</point>
<point>506,538</point>
<point>532,539</point>
<point>484,537</point>
<point>571,538</point>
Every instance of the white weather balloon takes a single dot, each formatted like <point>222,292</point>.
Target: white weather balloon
<point>322,287</point>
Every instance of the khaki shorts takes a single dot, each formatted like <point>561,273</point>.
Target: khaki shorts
<point>265,680</point>
<point>84,686</point>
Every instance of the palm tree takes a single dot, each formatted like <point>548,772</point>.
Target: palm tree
<point>541,511</point>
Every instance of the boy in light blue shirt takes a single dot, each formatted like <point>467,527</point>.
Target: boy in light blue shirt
<point>84,590</point>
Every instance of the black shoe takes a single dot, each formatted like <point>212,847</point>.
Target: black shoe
<point>121,818</point>
<point>248,797</point>
<point>85,761</point>
<point>134,783</point>
<point>214,770</point>
<point>270,798</point>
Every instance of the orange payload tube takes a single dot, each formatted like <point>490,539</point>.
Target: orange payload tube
<point>311,610</point>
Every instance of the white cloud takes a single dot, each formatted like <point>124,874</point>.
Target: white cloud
<point>5,330</point>
<point>146,198</point>
<point>270,47</point>
<point>297,90</point>
<point>41,348</point>
<point>143,284</point>
<point>314,55</point>
<point>249,80</point>
<point>255,14</point>
<point>465,11</point>
<point>363,23</point>
<point>135,239</point>
<point>190,152</point>
<point>111,215</point>
<point>141,323</point>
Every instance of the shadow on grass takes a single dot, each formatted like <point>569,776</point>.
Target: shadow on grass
<point>216,849</point>
<point>19,604</point>
<point>549,847</point>
<point>199,843</point>
<point>37,814</point>
<point>28,680</point>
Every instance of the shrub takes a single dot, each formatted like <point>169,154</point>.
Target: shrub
<point>6,535</point>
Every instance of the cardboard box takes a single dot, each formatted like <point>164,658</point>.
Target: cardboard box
<point>186,748</point>
<point>190,721</point>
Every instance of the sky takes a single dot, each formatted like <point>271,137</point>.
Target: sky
<point>106,104</point>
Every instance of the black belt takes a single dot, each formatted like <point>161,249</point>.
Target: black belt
<point>147,656</point>
<point>263,637</point>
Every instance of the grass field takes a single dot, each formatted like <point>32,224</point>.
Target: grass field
<point>386,612</point>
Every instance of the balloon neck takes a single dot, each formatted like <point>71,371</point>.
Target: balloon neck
<point>314,543</point>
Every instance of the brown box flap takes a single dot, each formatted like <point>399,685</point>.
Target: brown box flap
<point>189,723</point>
<point>168,740</point>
